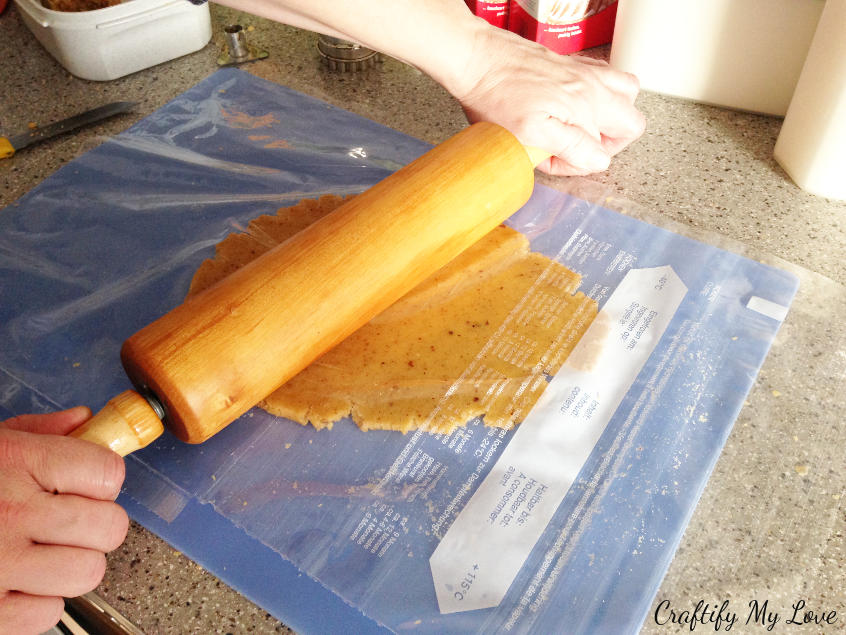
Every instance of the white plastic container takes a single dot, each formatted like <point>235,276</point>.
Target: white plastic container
<point>744,54</point>
<point>108,43</point>
<point>811,146</point>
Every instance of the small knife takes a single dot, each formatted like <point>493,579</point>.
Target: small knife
<point>10,145</point>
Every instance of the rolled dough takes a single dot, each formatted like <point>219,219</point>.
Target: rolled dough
<point>479,338</point>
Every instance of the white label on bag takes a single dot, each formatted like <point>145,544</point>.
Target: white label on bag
<point>490,540</point>
<point>767,307</point>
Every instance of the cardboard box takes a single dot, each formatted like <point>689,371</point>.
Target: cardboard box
<point>494,11</point>
<point>561,26</point>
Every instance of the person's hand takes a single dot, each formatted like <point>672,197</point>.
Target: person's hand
<point>578,109</point>
<point>58,516</point>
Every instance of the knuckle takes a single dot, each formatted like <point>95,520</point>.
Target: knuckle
<point>633,80</point>
<point>114,472</point>
<point>23,614</point>
<point>92,568</point>
<point>11,565</point>
<point>10,514</point>
<point>10,448</point>
<point>16,514</point>
<point>117,528</point>
<point>12,422</point>
<point>635,124</point>
<point>52,609</point>
<point>48,614</point>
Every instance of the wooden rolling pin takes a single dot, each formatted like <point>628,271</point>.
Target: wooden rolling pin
<point>209,360</point>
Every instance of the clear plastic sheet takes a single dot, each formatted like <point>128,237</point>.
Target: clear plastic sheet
<point>111,242</point>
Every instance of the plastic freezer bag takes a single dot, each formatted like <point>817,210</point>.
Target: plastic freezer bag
<point>570,518</point>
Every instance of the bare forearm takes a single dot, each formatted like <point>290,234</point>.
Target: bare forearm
<point>436,36</point>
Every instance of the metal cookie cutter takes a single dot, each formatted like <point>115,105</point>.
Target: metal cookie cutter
<point>237,50</point>
<point>343,55</point>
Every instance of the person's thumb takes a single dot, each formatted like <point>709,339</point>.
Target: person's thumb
<point>60,423</point>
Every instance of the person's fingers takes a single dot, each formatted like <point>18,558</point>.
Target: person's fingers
<point>602,103</point>
<point>610,120</point>
<point>24,614</point>
<point>75,521</point>
<point>60,423</point>
<point>591,106</point>
<point>571,145</point>
<point>56,570</point>
<point>622,83</point>
<point>614,146</point>
<point>556,166</point>
<point>598,97</point>
<point>65,465</point>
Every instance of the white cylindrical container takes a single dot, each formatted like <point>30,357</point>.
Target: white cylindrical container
<point>744,54</point>
<point>811,146</point>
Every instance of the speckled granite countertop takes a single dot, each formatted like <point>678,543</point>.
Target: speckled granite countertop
<point>770,524</point>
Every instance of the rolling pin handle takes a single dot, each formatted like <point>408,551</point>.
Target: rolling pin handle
<point>128,422</point>
<point>537,155</point>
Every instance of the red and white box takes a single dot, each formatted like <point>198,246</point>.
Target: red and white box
<point>494,11</point>
<point>564,26</point>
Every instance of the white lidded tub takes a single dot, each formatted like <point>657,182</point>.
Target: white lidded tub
<point>108,43</point>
